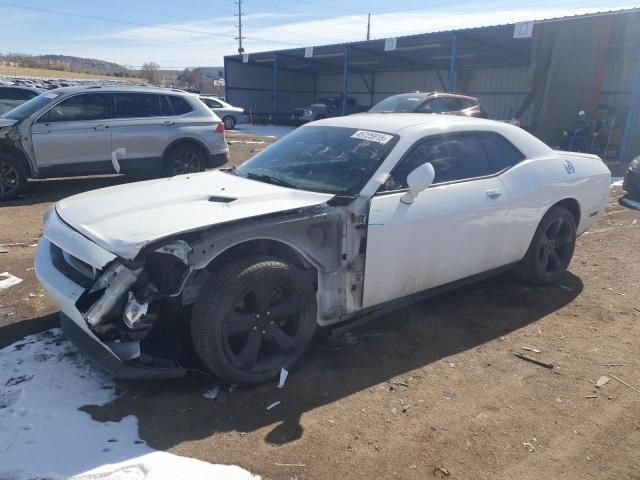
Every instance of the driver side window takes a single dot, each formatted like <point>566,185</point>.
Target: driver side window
<point>454,158</point>
<point>85,107</point>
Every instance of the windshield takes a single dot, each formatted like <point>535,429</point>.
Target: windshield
<point>32,106</point>
<point>334,160</point>
<point>398,103</point>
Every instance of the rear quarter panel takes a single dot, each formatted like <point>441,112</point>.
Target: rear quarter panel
<point>202,128</point>
<point>535,185</point>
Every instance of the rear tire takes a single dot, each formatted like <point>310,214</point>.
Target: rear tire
<point>256,316</point>
<point>13,177</point>
<point>229,122</point>
<point>184,159</point>
<point>551,249</point>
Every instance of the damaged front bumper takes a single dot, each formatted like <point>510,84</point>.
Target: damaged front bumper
<point>70,272</point>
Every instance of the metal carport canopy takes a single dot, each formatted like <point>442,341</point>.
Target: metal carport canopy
<point>486,46</point>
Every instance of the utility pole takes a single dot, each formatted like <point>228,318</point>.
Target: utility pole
<point>369,27</point>
<point>239,37</point>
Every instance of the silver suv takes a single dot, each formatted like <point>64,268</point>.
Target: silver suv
<point>103,129</point>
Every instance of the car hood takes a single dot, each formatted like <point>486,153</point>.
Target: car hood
<point>124,218</point>
<point>7,122</point>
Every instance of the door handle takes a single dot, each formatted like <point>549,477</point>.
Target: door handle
<point>168,123</point>
<point>494,193</point>
<point>100,127</point>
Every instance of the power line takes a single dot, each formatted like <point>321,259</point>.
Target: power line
<point>139,24</point>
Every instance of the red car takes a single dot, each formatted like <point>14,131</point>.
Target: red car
<point>431,102</point>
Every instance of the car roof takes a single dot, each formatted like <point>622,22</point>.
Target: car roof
<point>394,122</point>
<point>433,94</point>
<point>119,88</point>
<point>418,125</point>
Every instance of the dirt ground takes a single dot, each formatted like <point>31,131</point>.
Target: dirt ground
<point>431,391</point>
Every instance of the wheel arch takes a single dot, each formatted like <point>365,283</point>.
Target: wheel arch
<point>570,204</point>
<point>191,141</point>
<point>266,246</point>
<point>20,156</point>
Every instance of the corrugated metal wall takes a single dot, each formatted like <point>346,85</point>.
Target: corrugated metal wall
<point>570,78</point>
<point>391,83</point>
<point>501,90</point>
<point>251,87</point>
<point>332,85</point>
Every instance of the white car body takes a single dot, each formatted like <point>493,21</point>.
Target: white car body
<point>230,115</point>
<point>369,252</point>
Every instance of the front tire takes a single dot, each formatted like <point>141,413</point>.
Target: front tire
<point>551,249</point>
<point>229,122</point>
<point>13,177</point>
<point>184,159</point>
<point>256,316</point>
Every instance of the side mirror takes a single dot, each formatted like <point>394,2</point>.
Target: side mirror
<point>418,180</point>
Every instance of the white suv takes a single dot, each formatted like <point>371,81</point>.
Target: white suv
<point>103,129</point>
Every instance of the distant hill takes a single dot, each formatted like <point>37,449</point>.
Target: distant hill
<point>66,63</point>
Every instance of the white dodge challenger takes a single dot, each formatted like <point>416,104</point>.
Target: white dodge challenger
<point>340,220</point>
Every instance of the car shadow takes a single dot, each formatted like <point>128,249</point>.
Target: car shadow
<point>13,332</point>
<point>54,189</point>
<point>171,412</point>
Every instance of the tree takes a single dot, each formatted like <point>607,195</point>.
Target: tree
<point>150,72</point>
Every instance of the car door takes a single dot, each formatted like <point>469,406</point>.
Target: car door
<point>140,129</point>
<point>73,135</point>
<point>453,230</point>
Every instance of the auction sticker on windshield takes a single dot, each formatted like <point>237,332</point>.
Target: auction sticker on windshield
<point>372,136</point>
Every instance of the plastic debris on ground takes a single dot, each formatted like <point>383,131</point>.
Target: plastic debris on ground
<point>283,378</point>
<point>602,381</point>
<point>7,280</point>
<point>212,394</point>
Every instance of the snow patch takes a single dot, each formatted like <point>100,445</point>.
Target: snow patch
<point>43,434</point>
<point>617,181</point>
<point>271,131</point>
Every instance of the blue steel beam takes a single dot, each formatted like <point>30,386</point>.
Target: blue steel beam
<point>345,84</point>
<point>452,64</point>
<point>275,88</point>
<point>634,102</point>
<point>226,80</point>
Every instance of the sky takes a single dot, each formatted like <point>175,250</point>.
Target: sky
<point>192,33</point>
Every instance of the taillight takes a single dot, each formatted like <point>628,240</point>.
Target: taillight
<point>220,128</point>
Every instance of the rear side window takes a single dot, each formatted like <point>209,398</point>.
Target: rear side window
<point>137,105</point>
<point>467,103</point>
<point>454,158</point>
<point>453,104</point>
<point>180,105</point>
<point>435,105</point>
<point>209,102</point>
<point>93,106</point>
<point>500,151</point>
